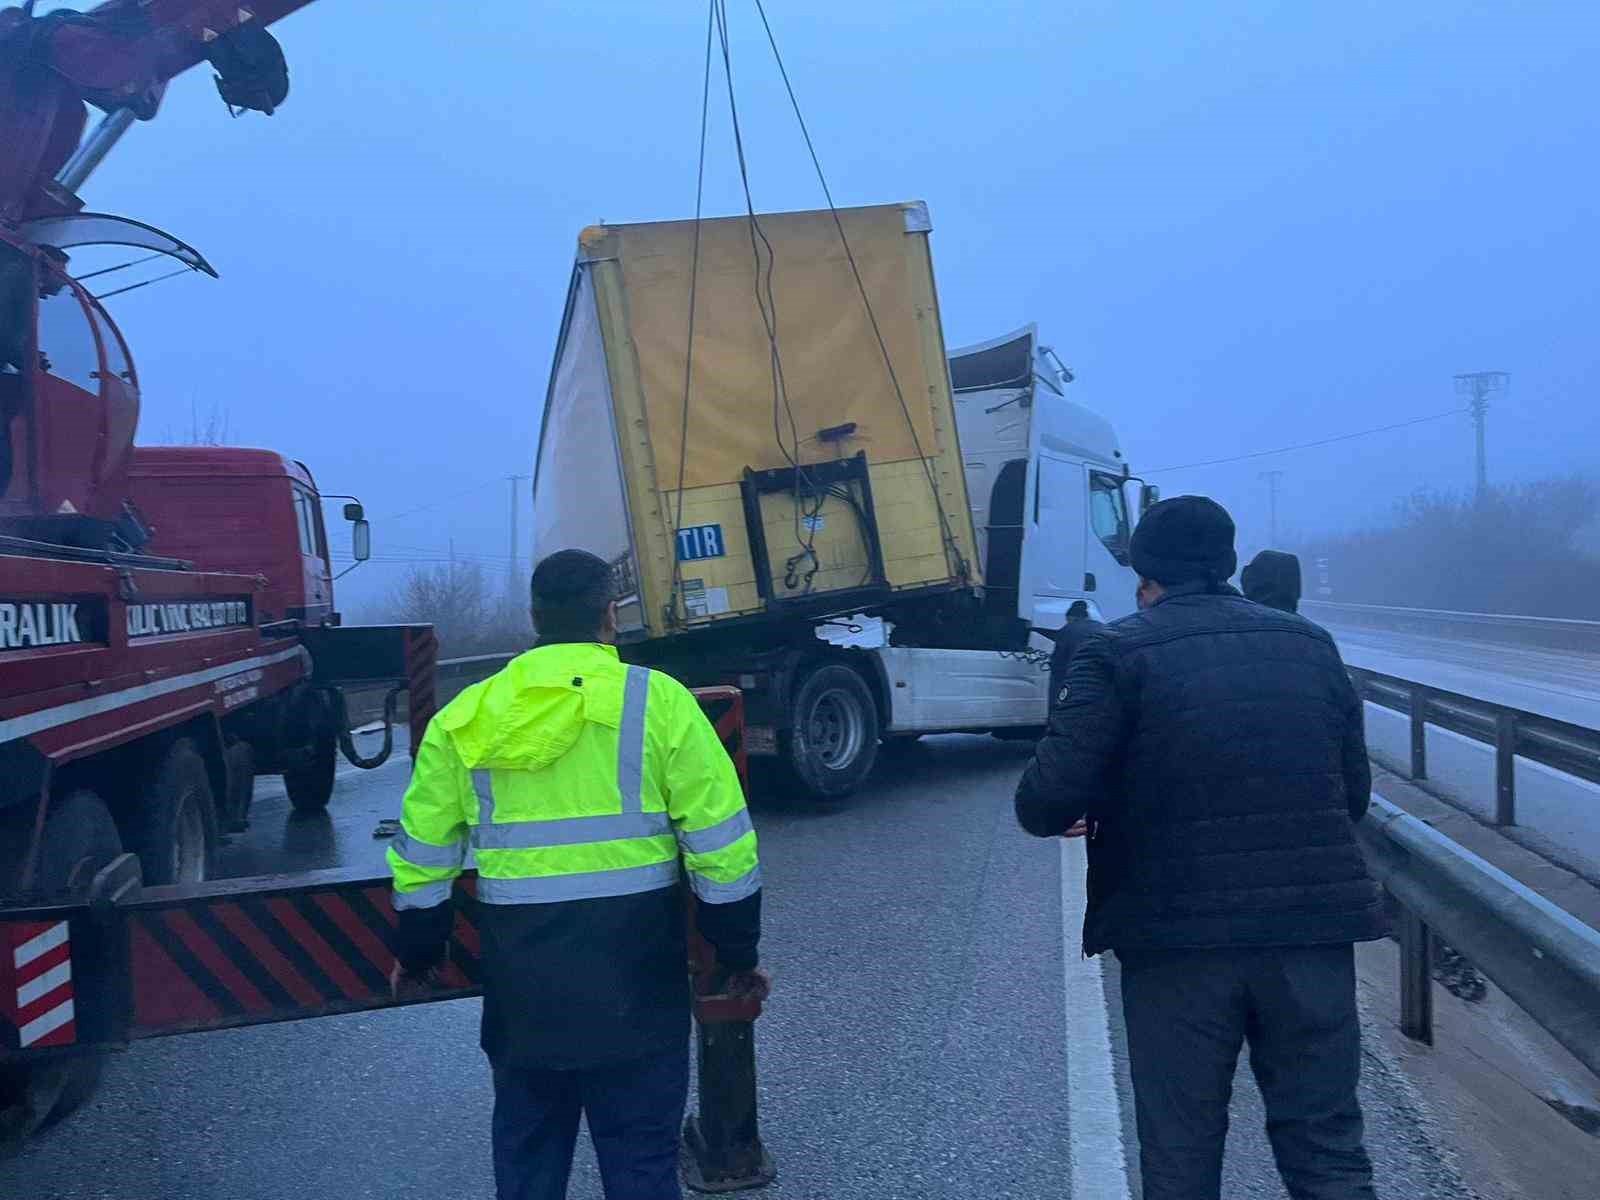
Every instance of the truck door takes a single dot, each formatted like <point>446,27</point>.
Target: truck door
<point>1109,552</point>
<point>1053,548</point>
<point>313,554</point>
<point>84,408</point>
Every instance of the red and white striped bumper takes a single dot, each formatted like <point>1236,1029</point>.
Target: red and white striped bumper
<point>36,998</point>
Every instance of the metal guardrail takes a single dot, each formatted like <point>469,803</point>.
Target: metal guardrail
<point>1513,732</point>
<point>1544,958</point>
<point>450,676</point>
<point>480,665</point>
<point>1552,633</point>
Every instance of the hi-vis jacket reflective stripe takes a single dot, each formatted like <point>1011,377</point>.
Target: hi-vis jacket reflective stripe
<point>570,776</point>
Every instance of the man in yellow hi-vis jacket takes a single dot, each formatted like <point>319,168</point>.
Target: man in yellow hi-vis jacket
<point>579,783</point>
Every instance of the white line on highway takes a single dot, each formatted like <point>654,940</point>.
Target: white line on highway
<point>1094,1114</point>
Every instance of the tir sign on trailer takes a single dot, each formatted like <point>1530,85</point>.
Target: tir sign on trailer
<point>700,541</point>
<point>840,492</point>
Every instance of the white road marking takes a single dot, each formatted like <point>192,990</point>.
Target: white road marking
<point>1094,1113</point>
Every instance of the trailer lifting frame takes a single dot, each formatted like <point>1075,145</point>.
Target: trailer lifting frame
<point>123,963</point>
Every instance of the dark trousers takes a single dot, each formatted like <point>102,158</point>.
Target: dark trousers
<point>1188,1012</point>
<point>635,1111</point>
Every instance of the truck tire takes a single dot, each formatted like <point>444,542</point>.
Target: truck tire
<point>311,787</point>
<point>79,838</point>
<point>833,739</point>
<point>174,827</point>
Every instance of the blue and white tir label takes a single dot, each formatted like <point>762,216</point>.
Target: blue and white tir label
<point>700,541</point>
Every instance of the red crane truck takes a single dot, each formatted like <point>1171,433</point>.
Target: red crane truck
<point>168,633</point>
<point>167,620</point>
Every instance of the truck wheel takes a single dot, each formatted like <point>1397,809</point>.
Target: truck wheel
<point>311,787</point>
<point>834,739</point>
<point>79,838</point>
<point>175,824</point>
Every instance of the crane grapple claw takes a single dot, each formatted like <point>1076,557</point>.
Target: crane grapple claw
<point>252,73</point>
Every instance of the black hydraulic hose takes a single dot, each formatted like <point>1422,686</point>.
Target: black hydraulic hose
<point>347,742</point>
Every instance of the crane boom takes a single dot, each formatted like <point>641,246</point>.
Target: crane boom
<point>68,410</point>
<point>118,57</point>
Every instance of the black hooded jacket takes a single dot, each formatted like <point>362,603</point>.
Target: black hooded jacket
<point>1273,578</point>
<point>1216,748</point>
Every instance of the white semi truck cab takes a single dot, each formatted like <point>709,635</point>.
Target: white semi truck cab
<point>1054,505</point>
<point>1048,483</point>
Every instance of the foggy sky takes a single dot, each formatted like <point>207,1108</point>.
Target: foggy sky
<point>1243,225</point>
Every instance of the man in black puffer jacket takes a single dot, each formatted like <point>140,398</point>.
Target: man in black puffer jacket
<point>1215,748</point>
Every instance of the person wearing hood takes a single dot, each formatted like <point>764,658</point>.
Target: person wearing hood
<point>1273,578</point>
<point>1214,748</point>
<point>579,784</point>
<point>1074,631</point>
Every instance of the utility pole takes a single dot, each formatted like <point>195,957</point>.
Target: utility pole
<point>1477,387</point>
<point>513,588</point>
<point>1273,478</point>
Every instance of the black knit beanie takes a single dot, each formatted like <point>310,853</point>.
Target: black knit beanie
<point>1187,539</point>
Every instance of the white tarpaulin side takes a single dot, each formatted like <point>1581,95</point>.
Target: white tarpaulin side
<point>578,500</point>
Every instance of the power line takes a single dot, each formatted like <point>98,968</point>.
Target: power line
<point>423,555</point>
<point>1328,441</point>
<point>441,500</point>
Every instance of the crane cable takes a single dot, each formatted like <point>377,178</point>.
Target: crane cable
<point>767,304</point>
<point>688,359</point>
<point>953,554</point>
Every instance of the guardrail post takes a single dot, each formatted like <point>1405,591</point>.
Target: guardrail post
<point>1416,977</point>
<point>1505,768</point>
<point>1419,731</point>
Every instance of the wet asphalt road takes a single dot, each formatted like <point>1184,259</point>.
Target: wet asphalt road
<point>1556,683</point>
<point>914,1046</point>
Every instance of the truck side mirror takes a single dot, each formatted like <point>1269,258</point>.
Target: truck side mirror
<point>354,512</point>
<point>1149,497</point>
<point>360,538</point>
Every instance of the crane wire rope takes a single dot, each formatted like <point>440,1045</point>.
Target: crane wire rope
<point>954,558</point>
<point>716,21</point>
<point>808,498</point>
<point>688,358</point>
<point>768,305</point>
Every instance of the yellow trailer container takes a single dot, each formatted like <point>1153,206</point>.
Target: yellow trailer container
<point>747,476</point>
